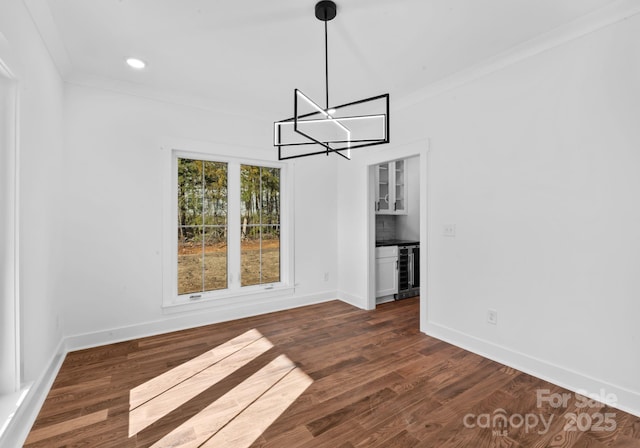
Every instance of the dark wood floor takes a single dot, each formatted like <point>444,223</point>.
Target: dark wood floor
<point>348,378</point>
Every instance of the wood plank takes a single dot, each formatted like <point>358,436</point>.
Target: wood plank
<point>368,379</point>
<point>67,426</point>
<point>242,431</point>
<point>176,396</point>
<point>200,428</point>
<point>161,383</point>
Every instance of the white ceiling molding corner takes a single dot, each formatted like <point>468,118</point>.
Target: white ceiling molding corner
<point>8,62</point>
<point>602,18</point>
<point>151,93</point>
<point>43,19</point>
<point>245,59</point>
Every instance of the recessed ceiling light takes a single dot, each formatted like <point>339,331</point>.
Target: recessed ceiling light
<point>136,63</point>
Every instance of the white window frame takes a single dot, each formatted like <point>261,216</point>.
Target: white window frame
<point>234,292</point>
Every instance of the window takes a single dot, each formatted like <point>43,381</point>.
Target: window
<point>231,235</point>
<point>202,226</point>
<point>260,214</point>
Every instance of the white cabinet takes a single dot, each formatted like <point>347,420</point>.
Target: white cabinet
<point>391,188</point>
<point>386,271</point>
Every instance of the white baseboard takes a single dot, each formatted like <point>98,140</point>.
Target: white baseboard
<point>356,301</point>
<point>25,414</point>
<point>626,400</point>
<point>192,320</point>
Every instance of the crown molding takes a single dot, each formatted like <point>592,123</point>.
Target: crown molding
<point>43,19</point>
<point>9,67</point>
<point>602,18</point>
<point>166,96</point>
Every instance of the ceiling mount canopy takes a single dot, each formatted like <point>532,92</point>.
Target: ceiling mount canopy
<point>331,129</point>
<point>326,10</point>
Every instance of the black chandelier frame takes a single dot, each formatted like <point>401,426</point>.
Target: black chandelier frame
<point>325,11</point>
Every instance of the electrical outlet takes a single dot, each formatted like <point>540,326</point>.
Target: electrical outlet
<point>326,276</point>
<point>449,230</point>
<point>492,317</point>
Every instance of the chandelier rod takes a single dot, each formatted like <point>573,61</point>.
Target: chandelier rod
<point>326,65</point>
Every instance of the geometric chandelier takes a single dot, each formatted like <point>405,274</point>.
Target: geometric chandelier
<point>316,130</point>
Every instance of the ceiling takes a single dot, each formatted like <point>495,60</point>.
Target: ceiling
<point>247,56</point>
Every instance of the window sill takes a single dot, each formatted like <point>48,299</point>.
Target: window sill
<point>225,299</point>
<point>9,405</point>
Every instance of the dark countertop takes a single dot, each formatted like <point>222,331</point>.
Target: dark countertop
<point>384,243</point>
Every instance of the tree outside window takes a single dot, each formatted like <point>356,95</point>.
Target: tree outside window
<point>260,225</point>
<point>202,226</point>
<point>204,255</point>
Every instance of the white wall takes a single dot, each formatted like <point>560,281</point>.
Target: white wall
<point>40,148</point>
<point>537,165</point>
<point>113,238</point>
<point>352,237</point>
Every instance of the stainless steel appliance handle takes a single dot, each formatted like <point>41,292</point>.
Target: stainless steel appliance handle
<point>411,268</point>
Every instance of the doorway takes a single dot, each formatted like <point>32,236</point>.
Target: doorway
<point>402,226</point>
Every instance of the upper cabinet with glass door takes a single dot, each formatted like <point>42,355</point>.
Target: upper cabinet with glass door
<point>391,188</point>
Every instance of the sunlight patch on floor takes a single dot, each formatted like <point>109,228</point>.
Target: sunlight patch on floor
<point>240,416</point>
<point>161,395</point>
<point>161,383</point>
